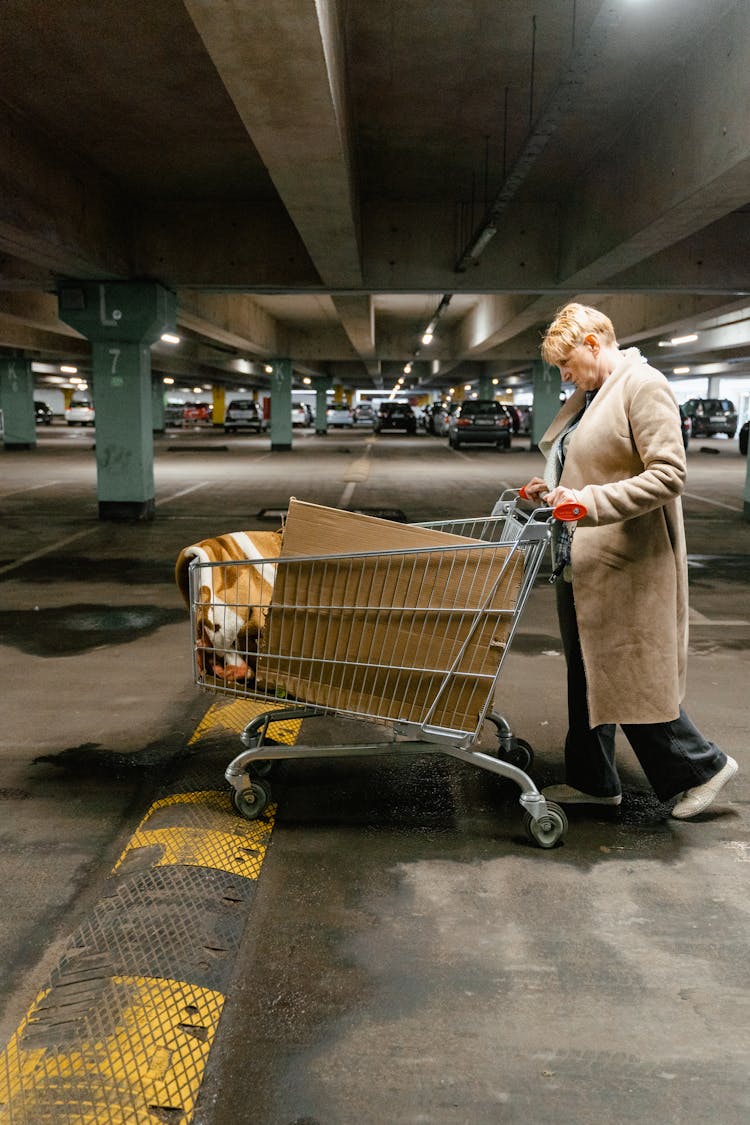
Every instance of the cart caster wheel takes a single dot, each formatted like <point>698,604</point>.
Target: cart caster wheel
<point>264,767</point>
<point>550,829</point>
<point>520,755</point>
<point>251,802</point>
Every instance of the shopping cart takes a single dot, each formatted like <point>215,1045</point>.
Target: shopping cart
<point>413,639</point>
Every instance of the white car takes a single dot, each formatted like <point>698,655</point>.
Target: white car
<point>339,416</point>
<point>299,415</point>
<point>80,412</point>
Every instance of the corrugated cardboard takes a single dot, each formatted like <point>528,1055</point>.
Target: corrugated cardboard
<point>403,634</point>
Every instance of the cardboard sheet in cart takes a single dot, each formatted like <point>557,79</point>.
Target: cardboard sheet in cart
<point>413,632</point>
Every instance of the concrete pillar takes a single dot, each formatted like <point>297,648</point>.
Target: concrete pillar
<point>122,320</point>
<point>219,401</point>
<point>485,388</point>
<point>321,405</point>
<point>547,383</point>
<point>713,388</point>
<point>17,403</point>
<point>158,421</point>
<point>281,405</point>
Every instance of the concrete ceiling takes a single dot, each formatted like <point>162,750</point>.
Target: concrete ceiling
<point>315,177</point>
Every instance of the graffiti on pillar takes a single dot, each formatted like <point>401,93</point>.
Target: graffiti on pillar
<point>116,458</point>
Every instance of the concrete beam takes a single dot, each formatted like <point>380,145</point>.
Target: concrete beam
<point>15,334</point>
<point>684,163</point>
<point>230,318</point>
<point>68,221</point>
<point>357,316</point>
<point>37,310</point>
<point>281,63</point>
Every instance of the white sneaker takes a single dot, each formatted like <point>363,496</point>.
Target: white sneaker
<point>698,799</point>
<point>567,795</point>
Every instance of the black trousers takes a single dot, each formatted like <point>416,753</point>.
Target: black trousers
<point>674,756</point>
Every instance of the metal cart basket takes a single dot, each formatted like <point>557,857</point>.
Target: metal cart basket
<point>414,639</point>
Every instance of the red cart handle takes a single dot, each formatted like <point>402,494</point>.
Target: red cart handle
<point>567,513</point>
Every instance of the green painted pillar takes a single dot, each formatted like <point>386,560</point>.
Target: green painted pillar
<point>17,403</point>
<point>321,405</point>
<point>281,405</point>
<point>122,320</point>
<point>546,381</point>
<point>158,418</point>
<point>485,388</point>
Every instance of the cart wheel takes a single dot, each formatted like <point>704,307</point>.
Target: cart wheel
<point>264,767</point>
<point>520,754</point>
<point>251,802</point>
<point>550,829</point>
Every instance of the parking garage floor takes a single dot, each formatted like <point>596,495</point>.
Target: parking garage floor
<point>385,946</point>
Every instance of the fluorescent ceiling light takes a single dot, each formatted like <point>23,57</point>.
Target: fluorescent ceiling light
<point>268,369</point>
<point>197,390</point>
<point>467,386</point>
<point>307,380</point>
<point>168,380</point>
<point>678,340</point>
<point>69,369</point>
<point>170,338</point>
<point>427,338</point>
<point>680,370</point>
<point>495,382</point>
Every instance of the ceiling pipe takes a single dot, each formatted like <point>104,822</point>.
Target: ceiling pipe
<point>563,97</point>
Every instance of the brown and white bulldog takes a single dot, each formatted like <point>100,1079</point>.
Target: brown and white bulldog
<point>231,601</point>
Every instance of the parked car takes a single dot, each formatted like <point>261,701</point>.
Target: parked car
<point>480,421</point>
<point>711,416</point>
<point>300,415</point>
<point>174,413</point>
<point>197,412</point>
<point>42,413</point>
<point>339,415</point>
<point>526,416</point>
<point>743,438</point>
<point>395,416</point>
<point>243,414</point>
<point>80,412</point>
<point>364,414</point>
<point>687,426</point>
<point>441,421</point>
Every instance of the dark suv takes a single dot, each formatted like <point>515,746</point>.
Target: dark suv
<point>711,416</point>
<point>395,416</point>
<point>480,421</point>
<point>42,413</point>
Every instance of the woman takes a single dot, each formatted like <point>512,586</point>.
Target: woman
<point>616,448</point>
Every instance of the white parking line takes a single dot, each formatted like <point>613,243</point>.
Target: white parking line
<point>183,492</point>
<point>47,550</point>
<point>29,488</point>
<point>715,503</point>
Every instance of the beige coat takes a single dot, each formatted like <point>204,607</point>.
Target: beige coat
<point>629,565</point>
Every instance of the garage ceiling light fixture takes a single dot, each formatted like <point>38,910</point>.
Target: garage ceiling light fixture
<point>680,370</point>
<point>678,340</point>
<point>68,369</point>
<point>168,380</point>
<point>169,338</point>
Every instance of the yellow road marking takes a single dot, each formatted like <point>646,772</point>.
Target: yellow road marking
<point>142,1049</point>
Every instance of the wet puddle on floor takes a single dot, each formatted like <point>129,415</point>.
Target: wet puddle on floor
<point>68,630</point>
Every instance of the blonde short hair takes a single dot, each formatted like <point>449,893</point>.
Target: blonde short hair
<point>571,324</point>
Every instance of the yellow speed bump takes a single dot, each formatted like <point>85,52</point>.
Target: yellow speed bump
<point>138,1055</point>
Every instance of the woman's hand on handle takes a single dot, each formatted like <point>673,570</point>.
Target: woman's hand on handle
<point>534,490</point>
<point>561,495</point>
